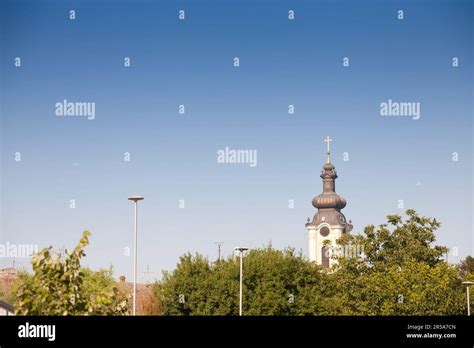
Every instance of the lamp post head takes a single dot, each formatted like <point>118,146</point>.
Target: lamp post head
<point>136,198</point>
<point>468,283</point>
<point>241,249</point>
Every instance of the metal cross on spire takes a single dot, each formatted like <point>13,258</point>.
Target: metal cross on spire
<point>328,151</point>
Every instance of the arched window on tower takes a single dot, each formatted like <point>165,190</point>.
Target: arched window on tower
<point>325,256</point>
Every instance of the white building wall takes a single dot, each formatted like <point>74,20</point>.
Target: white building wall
<point>316,242</point>
<point>312,247</point>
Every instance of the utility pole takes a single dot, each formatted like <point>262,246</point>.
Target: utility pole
<point>135,199</point>
<point>241,250</point>
<point>146,273</point>
<point>468,284</point>
<point>219,244</point>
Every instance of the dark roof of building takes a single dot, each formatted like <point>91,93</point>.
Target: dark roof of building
<point>6,306</point>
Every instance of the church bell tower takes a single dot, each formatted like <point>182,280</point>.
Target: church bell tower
<point>328,223</point>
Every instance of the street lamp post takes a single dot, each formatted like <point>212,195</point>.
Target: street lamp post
<point>241,250</point>
<point>135,199</point>
<point>468,284</point>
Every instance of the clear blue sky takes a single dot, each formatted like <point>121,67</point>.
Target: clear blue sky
<point>173,156</point>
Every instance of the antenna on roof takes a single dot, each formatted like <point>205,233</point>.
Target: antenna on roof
<point>219,244</point>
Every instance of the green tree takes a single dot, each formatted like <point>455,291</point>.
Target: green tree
<point>184,291</point>
<point>466,268</point>
<point>60,286</point>
<point>101,287</point>
<point>399,272</point>
<point>275,282</point>
<point>7,295</point>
